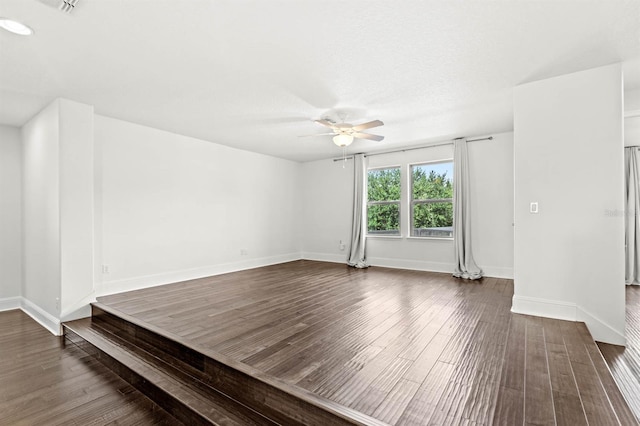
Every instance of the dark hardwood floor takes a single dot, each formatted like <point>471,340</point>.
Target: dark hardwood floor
<point>624,362</point>
<point>44,382</point>
<point>406,347</point>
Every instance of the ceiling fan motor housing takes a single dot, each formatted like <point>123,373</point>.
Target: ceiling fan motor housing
<point>344,133</point>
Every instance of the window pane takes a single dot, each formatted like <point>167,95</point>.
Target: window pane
<point>383,219</point>
<point>432,181</point>
<point>432,220</point>
<point>383,184</point>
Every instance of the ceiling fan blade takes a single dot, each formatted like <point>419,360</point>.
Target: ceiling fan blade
<point>316,134</point>
<point>370,124</point>
<point>368,136</point>
<point>325,123</point>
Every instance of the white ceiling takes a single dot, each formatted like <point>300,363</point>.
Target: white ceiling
<point>253,74</point>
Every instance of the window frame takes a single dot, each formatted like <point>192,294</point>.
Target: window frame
<point>385,202</point>
<point>411,202</point>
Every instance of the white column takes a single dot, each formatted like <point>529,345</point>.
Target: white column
<point>569,257</point>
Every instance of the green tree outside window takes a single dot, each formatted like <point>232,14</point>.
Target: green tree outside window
<point>383,209</point>
<point>432,200</point>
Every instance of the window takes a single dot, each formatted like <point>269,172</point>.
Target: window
<point>432,200</point>
<point>383,206</point>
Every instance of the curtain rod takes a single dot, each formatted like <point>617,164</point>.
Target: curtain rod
<point>414,148</point>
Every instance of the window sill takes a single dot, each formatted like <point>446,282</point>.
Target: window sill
<point>386,237</point>
<point>400,237</point>
<point>431,238</point>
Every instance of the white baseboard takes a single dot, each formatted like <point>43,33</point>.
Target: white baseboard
<point>41,316</point>
<point>136,283</point>
<point>544,308</point>
<point>600,330</point>
<point>415,265</point>
<point>10,303</point>
<point>497,272</point>
<point>326,257</point>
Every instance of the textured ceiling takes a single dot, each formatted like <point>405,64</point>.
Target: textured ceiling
<point>253,74</point>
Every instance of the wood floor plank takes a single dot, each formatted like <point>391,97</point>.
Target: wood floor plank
<point>331,376</point>
<point>569,410</point>
<point>538,397</point>
<point>597,405</point>
<point>485,384</point>
<point>510,407</point>
<point>349,391</point>
<point>427,359</point>
<point>371,397</point>
<point>423,404</point>
<point>396,401</point>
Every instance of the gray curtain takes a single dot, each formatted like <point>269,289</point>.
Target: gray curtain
<point>465,266</point>
<point>357,256</point>
<point>632,216</point>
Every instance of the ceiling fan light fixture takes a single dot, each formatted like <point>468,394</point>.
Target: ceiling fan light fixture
<point>343,140</point>
<point>15,26</point>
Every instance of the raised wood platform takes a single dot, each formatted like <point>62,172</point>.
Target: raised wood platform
<point>198,386</point>
<point>402,347</point>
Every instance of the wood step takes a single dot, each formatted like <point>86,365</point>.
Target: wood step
<point>207,372</point>
<point>183,396</point>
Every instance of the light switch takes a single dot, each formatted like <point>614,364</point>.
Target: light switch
<point>533,207</point>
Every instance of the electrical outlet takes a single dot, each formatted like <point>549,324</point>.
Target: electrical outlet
<point>57,304</point>
<point>105,269</point>
<point>341,245</point>
<point>533,207</point>
<point>244,252</point>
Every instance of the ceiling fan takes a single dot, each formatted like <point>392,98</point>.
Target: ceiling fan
<point>344,133</point>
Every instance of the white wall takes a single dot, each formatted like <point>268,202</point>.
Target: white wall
<point>76,208</point>
<point>327,204</point>
<point>41,213</point>
<point>569,258</point>
<point>170,207</point>
<point>326,209</point>
<point>491,165</point>
<point>10,217</point>
<point>58,213</point>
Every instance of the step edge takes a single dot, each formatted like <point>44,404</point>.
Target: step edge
<point>336,409</point>
<point>158,378</point>
<point>194,384</point>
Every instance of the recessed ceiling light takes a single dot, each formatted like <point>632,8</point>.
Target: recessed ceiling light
<point>15,26</point>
